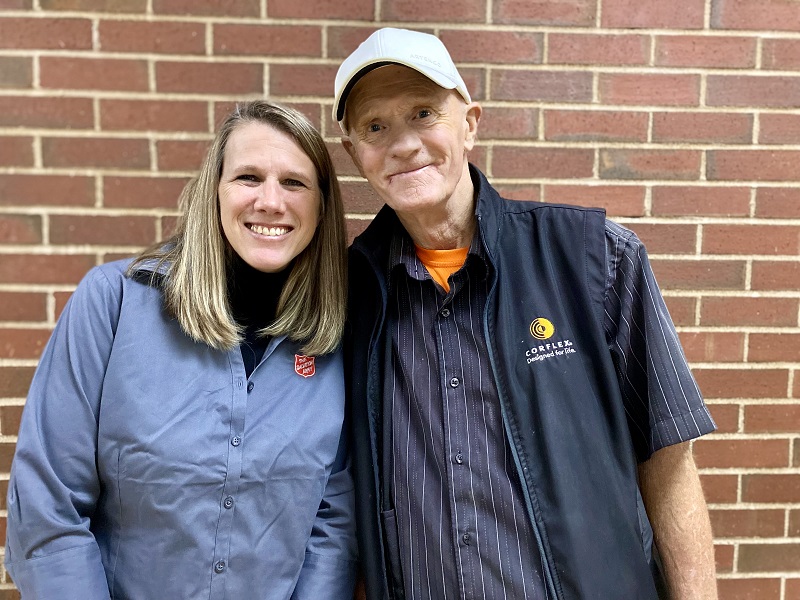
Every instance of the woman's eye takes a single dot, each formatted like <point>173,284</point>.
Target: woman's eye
<point>246,177</point>
<point>294,183</point>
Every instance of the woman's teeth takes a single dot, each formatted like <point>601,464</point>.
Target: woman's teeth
<point>270,231</point>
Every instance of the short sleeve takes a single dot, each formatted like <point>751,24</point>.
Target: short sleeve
<point>662,400</point>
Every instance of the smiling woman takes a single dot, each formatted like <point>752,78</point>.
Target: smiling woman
<point>189,405</point>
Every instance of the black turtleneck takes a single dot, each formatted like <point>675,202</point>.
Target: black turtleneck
<point>254,299</point>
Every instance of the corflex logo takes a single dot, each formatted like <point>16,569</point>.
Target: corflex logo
<point>542,329</point>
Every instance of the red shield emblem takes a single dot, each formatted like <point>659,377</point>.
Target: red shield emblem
<point>304,365</point>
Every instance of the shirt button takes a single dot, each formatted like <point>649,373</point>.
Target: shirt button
<point>445,312</point>
<point>228,502</point>
<point>250,386</point>
<point>219,567</point>
<point>239,383</point>
<point>454,382</point>
<point>236,440</point>
<point>459,458</point>
<point>467,538</point>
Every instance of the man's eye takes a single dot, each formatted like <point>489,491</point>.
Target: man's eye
<point>424,113</point>
<point>373,128</point>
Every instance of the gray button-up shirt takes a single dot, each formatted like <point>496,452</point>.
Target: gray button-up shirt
<point>150,466</point>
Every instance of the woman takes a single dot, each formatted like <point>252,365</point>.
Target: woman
<point>181,437</point>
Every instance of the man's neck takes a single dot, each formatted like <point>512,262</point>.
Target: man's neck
<point>452,226</point>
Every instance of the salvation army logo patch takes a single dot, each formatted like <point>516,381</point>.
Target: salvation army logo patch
<point>304,365</point>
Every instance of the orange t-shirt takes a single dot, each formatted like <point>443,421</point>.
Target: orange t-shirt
<point>442,263</point>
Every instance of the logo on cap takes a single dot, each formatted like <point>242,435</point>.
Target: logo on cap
<point>304,365</point>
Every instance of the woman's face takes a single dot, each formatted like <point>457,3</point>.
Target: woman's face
<point>269,199</point>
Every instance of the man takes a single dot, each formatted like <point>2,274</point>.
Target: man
<point>514,376</point>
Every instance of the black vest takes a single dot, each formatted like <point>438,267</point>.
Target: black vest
<point>560,398</point>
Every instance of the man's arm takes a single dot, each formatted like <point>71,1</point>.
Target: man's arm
<point>681,528</point>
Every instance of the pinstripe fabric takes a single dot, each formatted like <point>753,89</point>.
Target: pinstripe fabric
<point>458,503</point>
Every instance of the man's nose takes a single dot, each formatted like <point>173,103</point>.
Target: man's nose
<point>405,141</point>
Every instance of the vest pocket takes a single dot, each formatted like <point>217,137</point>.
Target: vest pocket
<point>391,543</point>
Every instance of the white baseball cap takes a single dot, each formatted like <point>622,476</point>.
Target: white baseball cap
<point>420,51</point>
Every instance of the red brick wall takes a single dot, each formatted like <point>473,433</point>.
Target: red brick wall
<point>681,117</point>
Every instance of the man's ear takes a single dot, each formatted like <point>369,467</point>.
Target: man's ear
<point>473,117</point>
<point>351,150</point>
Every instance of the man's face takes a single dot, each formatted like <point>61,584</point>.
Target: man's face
<point>409,137</point>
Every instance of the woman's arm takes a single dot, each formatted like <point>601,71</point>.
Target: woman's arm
<point>329,570</point>
<point>54,485</point>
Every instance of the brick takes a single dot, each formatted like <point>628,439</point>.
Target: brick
<point>749,588</point>
<point>16,151</point>
<point>743,454</point>
<point>15,381</point>
<point>742,311</point>
<point>56,113</point>
<point>61,302</point>
<point>779,15</point>
<point>719,128</point>
<point>10,417</point>
<point>723,557</point>
<point>9,594</point>
<point>6,455</point>
<point>792,588</point>
<point>774,347</point>
<point>594,49</point>
<point>761,558</point>
<point>699,274</point>
<point>113,231</point>
<point>720,489</point>
<point>772,418</point>
<point>20,229</point>
<point>705,51</point>
<point>46,190</point>
<point>475,78</point>
<point>618,200</point>
<point>221,8</point>
<point>93,74</point>
<point>637,163</point>
<point>726,416</point>
<point>682,310</point>
<point>164,37</point>
<point>44,268</point>
<point>509,123</point>
<point>341,40</point>
<point>106,6</point>
<point>796,450</point>
<point>753,165</point>
<point>741,383</point>
<point>525,162</point>
<point>23,306</point>
<point>595,125</point>
<point>775,275</point>
<point>153,115</point>
<point>17,72</point>
<point>778,203</point>
<point>267,40</point>
<point>747,523</point>
<point>181,155</point>
<point>454,11</point>
<point>647,14</point>
<point>359,197</point>
<point>713,346</point>
<point>655,89</point>
<point>750,239</point>
<point>45,34</point>
<point>470,45</point>
<point>779,128</point>
<point>707,201</point>
<point>541,86</point>
<point>142,192</point>
<point>96,152</point>
<point>361,10</point>
<point>209,78</point>
<point>753,91</point>
<point>16,4</point>
<point>522,191</point>
<point>355,227</point>
<point>780,54</point>
<point>667,238</point>
<point>22,343</point>
<point>302,80</point>
<point>578,13</point>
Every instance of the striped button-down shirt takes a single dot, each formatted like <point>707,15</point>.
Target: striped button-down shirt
<point>462,526</point>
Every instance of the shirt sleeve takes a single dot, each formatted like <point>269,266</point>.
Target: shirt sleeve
<point>329,569</point>
<point>662,401</point>
<point>51,552</point>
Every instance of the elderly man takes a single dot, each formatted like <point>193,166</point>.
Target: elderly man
<point>518,390</point>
